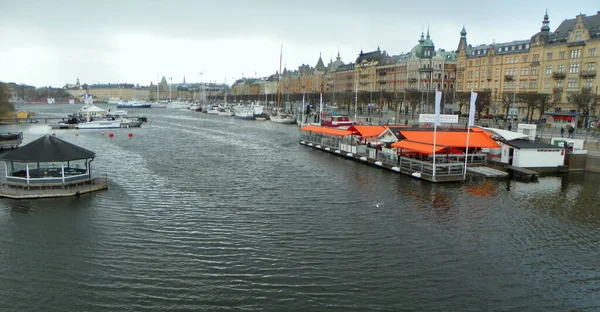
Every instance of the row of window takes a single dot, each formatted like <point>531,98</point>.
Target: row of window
<point>572,83</point>
<point>573,68</point>
<point>574,53</point>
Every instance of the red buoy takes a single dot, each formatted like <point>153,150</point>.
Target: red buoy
<point>130,134</point>
<point>111,134</point>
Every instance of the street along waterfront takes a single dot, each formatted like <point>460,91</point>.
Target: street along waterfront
<point>209,213</point>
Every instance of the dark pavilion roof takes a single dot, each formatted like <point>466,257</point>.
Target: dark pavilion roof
<point>376,55</point>
<point>48,149</point>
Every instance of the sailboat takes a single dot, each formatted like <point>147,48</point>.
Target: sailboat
<point>279,114</point>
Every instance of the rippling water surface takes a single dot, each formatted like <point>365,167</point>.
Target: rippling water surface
<point>208,213</point>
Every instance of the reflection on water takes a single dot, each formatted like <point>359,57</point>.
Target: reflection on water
<point>209,213</point>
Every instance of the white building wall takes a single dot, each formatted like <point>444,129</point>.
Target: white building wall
<point>538,158</point>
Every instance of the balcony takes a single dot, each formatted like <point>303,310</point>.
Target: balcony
<point>412,79</point>
<point>588,74</point>
<point>460,68</point>
<point>362,83</point>
<point>363,75</point>
<point>534,64</point>
<point>559,75</point>
<point>509,77</point>
<point>425,69</point>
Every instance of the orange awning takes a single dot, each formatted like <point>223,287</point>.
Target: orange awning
<point>419,147</point>
<point>326,130</point>
<point>367,131</point>
<point>477,139</point>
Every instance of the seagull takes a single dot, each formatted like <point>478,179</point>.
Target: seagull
<point>376,205</point>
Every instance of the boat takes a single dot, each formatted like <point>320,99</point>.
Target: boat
<point>259,112</point>
<point>113,100</point>
<point>134,104</point>
<point>213,110</point>
<point>225,111</point>
<point>158,105</point>
<point>10,139</point>
<point>278,113</point>
<point>110,124</point>
<point>243,112</point>
<point>340,122</point>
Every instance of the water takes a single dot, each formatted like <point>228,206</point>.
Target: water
<point>208,213</point>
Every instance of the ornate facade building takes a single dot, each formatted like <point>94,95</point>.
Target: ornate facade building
<point>556,63</point>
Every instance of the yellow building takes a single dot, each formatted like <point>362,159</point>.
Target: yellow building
<point>553,63</point>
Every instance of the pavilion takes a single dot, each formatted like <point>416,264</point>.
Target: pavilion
<point>49,167</point>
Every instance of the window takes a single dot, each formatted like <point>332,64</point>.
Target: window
<point>523,84</point>
<point>470,74</point>
<point>592,52</point>
<point>573,68</point>
<point>561,55</point>
<point>536,57</point>
<point>460,75</point>
<point>547,83</point>
<point>524,71</point>
<point>469,85</point>
<point>561,68</point>
<point>476,74</point>
<point>459,85</point>
<point>507,71</point>
<point>575,53</point>
<point>549,56</point>
<point>578,35</point>
<point>497,72</point>
<point>483,62</point>
<point>591,66</point>
<point>470,63</point>
<point>548,69</point>
<point>588,83</point>
<point>498,60</point>
<point>462,64</point>
<point>559,84</point>
<point>573,83</point>
<point>532,84</point>
<point>483,74</point>
<point>525,57</point>
<point>534,71</point>
<point>507,60</point>
<point>475,86</point>
<point>496,84</point>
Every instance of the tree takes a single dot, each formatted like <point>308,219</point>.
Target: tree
<point>6,107</point>
<point>483,101</point>
<point>462,98</point>
<point>507,99</point>
<point>531,100</point>
<point>413,98</point>
<point>543,103</point>
<point>583,101</point>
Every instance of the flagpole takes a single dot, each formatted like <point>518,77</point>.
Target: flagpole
<point>436,121</point>
<point>469,122</point>
<point>303,108</point>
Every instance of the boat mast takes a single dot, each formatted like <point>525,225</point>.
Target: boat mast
<point>279,82</point>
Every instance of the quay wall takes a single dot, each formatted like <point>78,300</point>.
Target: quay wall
<point>592,163</point>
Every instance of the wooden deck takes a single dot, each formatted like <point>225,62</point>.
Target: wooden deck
<point>21,191</point>
<point>523,173</point>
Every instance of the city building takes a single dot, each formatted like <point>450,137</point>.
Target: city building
<point>556,63</point>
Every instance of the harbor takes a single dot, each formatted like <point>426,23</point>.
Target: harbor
<point>225,197</point>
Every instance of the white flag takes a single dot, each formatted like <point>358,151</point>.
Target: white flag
<point>438,101</point>
<point>472,109</point>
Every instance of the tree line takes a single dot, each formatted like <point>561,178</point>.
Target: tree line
<point>6,108</point>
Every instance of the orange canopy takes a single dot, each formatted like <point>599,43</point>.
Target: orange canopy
<point>477,139</point>
<point>326,130</point>
<point>367,131</point>
<point>421,147</point>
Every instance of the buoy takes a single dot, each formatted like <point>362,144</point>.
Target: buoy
<point>76,133</point>
<point>130,134</point>
<point>111,135</point>
<point>102,133</point>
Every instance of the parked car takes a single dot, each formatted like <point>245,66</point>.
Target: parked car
<point>487,116</point>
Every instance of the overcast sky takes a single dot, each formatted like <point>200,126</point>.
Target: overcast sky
<point>54,42</point>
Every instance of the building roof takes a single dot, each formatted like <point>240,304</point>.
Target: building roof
<point>320,65</point>
<point>592,23</point>
<point>48,149</point>
<point>377,55</point>
<point>524,144</point>
<point>457,139</point>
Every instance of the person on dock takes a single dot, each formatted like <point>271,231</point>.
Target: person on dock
<point>562,132</point>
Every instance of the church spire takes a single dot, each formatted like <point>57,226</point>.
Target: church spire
<point>546,23</point>
<point>427,31</point>
<point>338,56</point>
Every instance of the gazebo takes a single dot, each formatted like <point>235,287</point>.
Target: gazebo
<point>49,167</point>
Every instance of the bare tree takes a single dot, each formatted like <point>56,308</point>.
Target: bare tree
<point>5,106</point>
<point>462,98</point>
<point>583,101</point>
<point>531,100</point>
<point>543,103</point>
<point>413,98</point>
<point>483,101</point>
<point>506,100</point>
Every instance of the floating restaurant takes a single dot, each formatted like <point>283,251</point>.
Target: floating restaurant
<point>436,156</point>
<point>49,167</point>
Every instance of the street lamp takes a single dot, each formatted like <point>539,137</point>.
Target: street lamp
<point>356,96</point>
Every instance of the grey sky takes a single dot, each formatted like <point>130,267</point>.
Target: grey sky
<point>54,42</point>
